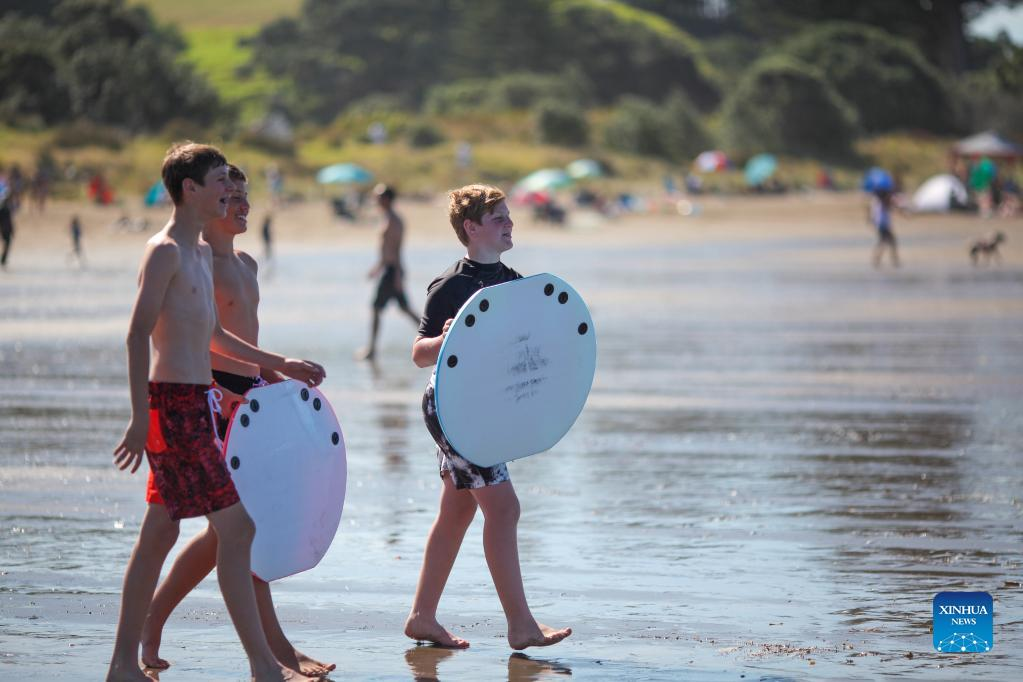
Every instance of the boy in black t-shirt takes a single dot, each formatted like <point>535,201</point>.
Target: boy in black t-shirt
<point>480,218</point>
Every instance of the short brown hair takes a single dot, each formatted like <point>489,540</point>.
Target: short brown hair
<point>188,160</point>
<point>236,174</point>
<point>471,202</point>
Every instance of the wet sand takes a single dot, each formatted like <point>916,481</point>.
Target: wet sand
<point>786,453</point>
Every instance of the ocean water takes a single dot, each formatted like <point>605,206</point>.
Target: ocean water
<point>785,456</point>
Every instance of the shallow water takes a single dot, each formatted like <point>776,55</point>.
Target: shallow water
<point>784,457</point>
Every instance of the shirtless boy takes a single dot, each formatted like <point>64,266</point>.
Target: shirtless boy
<point>479,216</point>
<point>388,267</point>
<point>171,418</point>
<point>236,291</point>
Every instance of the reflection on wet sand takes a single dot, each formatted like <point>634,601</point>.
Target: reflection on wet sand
<point>523,668</point>
<point>423,660</point>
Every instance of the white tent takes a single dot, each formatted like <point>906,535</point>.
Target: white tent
<point>939,194</point>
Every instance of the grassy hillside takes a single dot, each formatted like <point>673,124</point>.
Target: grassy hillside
<point>193,14</point>
<point>213,30</point>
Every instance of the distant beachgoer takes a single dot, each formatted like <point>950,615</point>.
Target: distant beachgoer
<point>982,178</point>
<point>76,241</point>
<point>275,181</point>
<point>41,188</point>
<point>479,215</point>
<point>6,218</point>
<point>267,235</point>
<point>388,267</point>
<point>880,215</point>
<point>236,291</point>
<point>173,325</point>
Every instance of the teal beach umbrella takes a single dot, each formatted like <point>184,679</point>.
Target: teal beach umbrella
<point>544,180</point>
<point>343,173</point>
<point>760,168</point>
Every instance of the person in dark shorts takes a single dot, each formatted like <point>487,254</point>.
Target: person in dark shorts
<point>480,218</point>
<point>7,203</point>
<point>391,285</point>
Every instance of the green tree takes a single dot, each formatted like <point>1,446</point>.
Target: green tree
<point>885,78</point>
<point>784,106</point>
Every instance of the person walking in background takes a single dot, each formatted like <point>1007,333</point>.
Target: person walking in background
<point>6,217</point>
<point>267,236</point>
<point>880,216</point>
<point>76,242</point>
<point>389,268</point>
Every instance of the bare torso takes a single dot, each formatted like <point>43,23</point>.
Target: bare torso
<point>181,336</point>
<point>390,240</point>
<point>237,295</point>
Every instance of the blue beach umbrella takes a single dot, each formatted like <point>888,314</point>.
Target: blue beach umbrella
<point>581,169</point>
<point>343,173</point>
<point>760,168</point>
<point>544,180</point>
<point>878,179</point>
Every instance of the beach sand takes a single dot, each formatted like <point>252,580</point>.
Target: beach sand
<point>785,456</point>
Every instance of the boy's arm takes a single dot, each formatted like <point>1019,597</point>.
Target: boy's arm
<point>226,343</point>
<point>425,350</point>
<point>158,267</point>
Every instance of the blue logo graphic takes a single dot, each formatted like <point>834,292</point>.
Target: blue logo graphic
<point>964,622</point>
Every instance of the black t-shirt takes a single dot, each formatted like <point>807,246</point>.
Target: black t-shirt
<point>448,292</point>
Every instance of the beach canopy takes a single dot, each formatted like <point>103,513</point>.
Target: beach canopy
<point>940,194</point>
<point>711,161</point>
<point>157,194</point>
<point>544,180</point>
<point>760,168</point>
<point>988,143</point>
<point>581,169</point>
<point>343,173</point>
<point>877,180</point>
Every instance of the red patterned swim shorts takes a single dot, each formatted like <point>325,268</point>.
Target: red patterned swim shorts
<point>187,469</point>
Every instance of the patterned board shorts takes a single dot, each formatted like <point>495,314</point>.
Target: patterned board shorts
<point>464,474</point>
<point>187,469</point>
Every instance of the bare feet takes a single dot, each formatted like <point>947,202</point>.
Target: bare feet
<point>429,630</point>
<point>537,635</point>
<point>126,674</point>
<point>151,649</point>
<point>310,666</point>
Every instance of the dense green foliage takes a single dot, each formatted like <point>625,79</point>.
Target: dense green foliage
<point>560,123</point>
<point>885,78</point>
<point>782,105</point>
<point>96,60</point>
<point>672,131</point>
<point>338,52</point>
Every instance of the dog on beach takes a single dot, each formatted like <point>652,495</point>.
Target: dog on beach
<point>986,249</point>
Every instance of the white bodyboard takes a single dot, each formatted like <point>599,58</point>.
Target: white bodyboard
<point>286,454</point>
<point>515,369</point>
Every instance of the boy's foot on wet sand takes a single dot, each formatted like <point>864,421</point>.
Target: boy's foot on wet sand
<point>429,630</point>
<point>539,635</point>
<point>127,675</point>
<point>151,651</point>
<point>312,667</point>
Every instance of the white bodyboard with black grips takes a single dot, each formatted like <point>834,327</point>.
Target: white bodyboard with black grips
<point>515,369</point>
<point>286,454</point>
